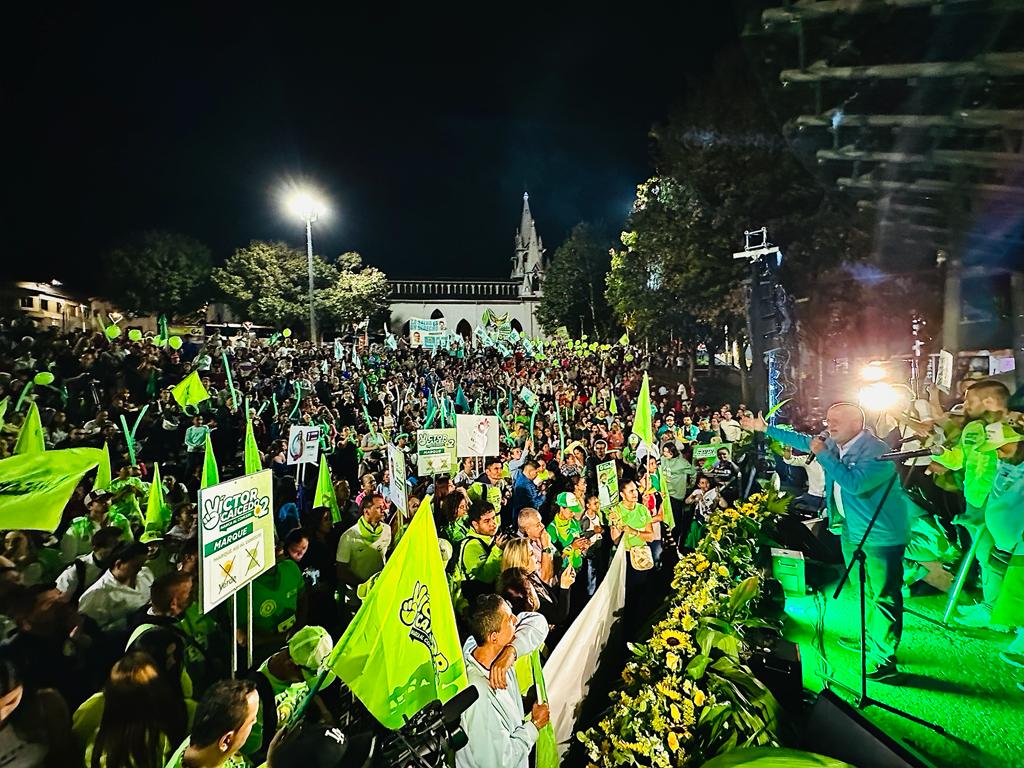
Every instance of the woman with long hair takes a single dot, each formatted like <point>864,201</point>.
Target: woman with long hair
<point>143,718</point>
<point>35,728</point>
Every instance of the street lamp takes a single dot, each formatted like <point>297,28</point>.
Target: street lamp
<point>308,206</point>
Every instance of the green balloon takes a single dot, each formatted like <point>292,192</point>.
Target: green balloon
<point>629,358</point>
<point>286,332</point>
<point>174,342</point>
<point>43,378</point>
<point>112,331</point>
<point>158,341</point>
<point>135,334</point>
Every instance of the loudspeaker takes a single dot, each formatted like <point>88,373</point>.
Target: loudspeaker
<point>775,661</point>
<point>788,568</point>
<point>811,537</point>
<point>836,729</point>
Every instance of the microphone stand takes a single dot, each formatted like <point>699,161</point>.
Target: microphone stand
<point>859,559</point>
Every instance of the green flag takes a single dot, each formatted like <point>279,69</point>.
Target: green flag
<point>251,451</point>
<point>643,424</point>
<point>624,339</point>
<point>211,475</point>
<point>324,496</point>
<point>35,487</point>
<point>30,438</point>
<point>402,649</point>
<point>158,514</point>
<point>613,407</point>
<point>461,400</point>
<point>666,502</point>
<point>190,390</point>
<point>103,476</point>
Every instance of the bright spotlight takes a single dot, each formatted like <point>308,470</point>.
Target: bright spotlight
<point>304,204</point>
<point>878,397</point>
<point>873,371</point>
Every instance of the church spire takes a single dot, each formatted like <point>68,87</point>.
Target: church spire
<point>528,261</point>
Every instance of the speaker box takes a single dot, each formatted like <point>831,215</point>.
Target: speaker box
<point>775,661</point>
<point>811,537</point>
<point>788,568</point>
<point>836,729</point>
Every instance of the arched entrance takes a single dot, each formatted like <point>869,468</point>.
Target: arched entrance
<point>437,314</point>
<point>517,326</point>
<point>464,329</point>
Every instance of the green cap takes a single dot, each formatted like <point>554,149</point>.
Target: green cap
<point>310,648</point>
<point>568,500</point>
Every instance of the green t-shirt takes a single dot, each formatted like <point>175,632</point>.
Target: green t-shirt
<point>480,559</point>
<point>275,598</point>
<point>639,517</point>
<point>563,533</point>
<point>457,531</point>
<point>235,761</point>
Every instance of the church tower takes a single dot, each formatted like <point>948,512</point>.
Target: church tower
<point>528,261</point>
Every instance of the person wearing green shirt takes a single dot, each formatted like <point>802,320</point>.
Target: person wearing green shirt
<point>566,533</point>
<point>630,520</point>
<point>276,604</point>
<point>224,719</point>
<point>77,540</point>
<point>283,680</point>
<point>480,555</point>
<point>127,489</point>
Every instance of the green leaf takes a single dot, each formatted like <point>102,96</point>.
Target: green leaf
<point>775,408</point>
<point>699,663</point>
<point>773,757</point>
<point>742,594</point>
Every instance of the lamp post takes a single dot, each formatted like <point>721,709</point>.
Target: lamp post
<point>308,207</point>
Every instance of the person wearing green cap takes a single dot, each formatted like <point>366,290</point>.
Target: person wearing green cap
<point>283,680</point>
<point>565,531</point>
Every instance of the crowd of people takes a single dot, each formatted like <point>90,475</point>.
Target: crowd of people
<point>107,659</point>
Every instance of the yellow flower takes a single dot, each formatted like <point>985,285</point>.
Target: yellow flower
<point>673,638</point>
<point>666,690</point>
<point>673,741</point>
<point>699,698</point>
<point>723,571</point>
<point>674,711</point>
<point>703,566</point>
<point>672,661</point>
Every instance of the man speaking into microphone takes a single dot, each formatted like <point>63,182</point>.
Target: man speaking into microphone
<point>855,484</point>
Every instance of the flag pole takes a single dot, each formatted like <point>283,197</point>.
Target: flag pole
<point>234,635</point>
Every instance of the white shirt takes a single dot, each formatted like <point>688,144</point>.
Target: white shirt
<point>363,558</point>
<point>494,724</point>
<point>109,602</point>
<point>731,429</point>
<point>67,581</point>
<point>815,474</point>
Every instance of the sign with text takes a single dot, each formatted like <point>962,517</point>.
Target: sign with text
<point>709,453</point>
<point>944,374</point>
<point>303,445</point>
<point>429,334</point>
<point>397,489</point>
<point>435,451</point>
<point>607,484</point>
<point>236,535</point>
<point>476,435</point>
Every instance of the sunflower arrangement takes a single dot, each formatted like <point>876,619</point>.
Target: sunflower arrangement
<point>686,695</point>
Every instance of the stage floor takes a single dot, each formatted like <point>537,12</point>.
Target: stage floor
<point>951,677</point>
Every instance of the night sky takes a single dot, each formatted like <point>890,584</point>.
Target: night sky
<point>422,129</point>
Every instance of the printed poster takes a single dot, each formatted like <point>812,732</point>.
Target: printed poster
<point>476,435</point>
<point>435,451</point>
<point>607,484</point>
<point>236,535</point>
<point>303,445</point>
<point>397,489</point>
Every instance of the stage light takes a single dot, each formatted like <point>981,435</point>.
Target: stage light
<point>305,204</point>
<point>878,397</point>
<point>873,371</point>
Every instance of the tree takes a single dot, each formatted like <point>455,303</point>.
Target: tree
<point>574,293</point>
<point>268,283</point>
<point>358,292</point>
<point>158,273</point>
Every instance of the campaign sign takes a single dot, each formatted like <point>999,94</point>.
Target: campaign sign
<point>476,435</point>
<point>435,451</point>
<point>236,535</point>
<point>397,489</point>
<point>303,445</point>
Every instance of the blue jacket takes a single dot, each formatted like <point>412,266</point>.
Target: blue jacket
<point>862,480</point>
<point>524,494</point>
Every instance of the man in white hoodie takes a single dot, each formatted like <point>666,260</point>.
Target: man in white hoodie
<point>500,734</point>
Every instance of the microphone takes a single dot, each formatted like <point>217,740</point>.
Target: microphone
<point>934,450</point>
<point>823,435</point>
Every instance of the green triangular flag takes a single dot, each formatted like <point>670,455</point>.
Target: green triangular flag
<point>190,390</point>
<point>211,475</point>
<point>158,514</point>
<point>30,438</point>
<point>643,426</point>
<point>251,451</point>
<point>393,671</point>
<point>613,407</point>
<point>324,496</point>
<point>103,475</point>
<point>37,486</point>
<point>624,339</point>
<point>461,400</point>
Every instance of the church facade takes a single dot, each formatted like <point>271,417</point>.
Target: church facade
<point>462,303</point>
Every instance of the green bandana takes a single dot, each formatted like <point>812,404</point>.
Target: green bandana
<point>368,534</point>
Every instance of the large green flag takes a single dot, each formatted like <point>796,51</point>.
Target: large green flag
<point>643,424</point>
<point>190,390</point>
<point>211,475</point>
<point>35,487</point>
<point>103,474</point>
<point>30,438</point>
<point>158,514</point>
<point>402,650</point>
<point>251,452</point>
<point>325,496</point>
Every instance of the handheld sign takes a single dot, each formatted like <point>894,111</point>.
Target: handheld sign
<point>303,444</point>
